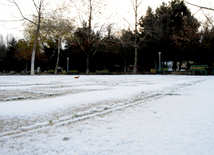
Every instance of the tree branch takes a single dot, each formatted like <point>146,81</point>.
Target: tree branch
<point>22,13</point>
<point>199,6</point>
<point>207,17</point>
<point>128,23</point>
<point>143,38</point>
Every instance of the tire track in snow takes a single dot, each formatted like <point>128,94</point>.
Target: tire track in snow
<point>94,112</point>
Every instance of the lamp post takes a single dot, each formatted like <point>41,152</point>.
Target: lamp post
<point>159,59</point>
<point>67,64</point>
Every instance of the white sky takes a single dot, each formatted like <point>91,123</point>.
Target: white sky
<point>115,9</point>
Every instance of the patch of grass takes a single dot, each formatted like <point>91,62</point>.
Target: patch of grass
<point>75,115</point>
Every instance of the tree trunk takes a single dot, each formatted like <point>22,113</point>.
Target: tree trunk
<point>125,65</point>
<point>34,49</point>
<point>89,32</point>
<point>57,62</point>
<point>135,46</point>
<point>87,65</point>
<point>135,61</point>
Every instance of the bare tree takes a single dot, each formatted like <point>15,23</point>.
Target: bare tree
<point>87,10</point>
<point>58,25</point>
<point>39,6</point>
<point>126,41</point>
<point>135,4</point>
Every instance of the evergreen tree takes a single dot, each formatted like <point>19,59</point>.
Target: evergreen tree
<point>171,30</point>
<point>11,63</point>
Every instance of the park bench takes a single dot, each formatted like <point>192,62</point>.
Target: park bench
<point>73,72</point>
<point>198,68</point>
<point>12,72</point>
<point>105,71</point>
<point>163,70</point>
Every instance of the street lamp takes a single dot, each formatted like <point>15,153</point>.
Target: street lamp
<point>159,59</point>
<point>67,64</point>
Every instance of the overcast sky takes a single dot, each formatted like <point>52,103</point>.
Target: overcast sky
<point>118,9</point>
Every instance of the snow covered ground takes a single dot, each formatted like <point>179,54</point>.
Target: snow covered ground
<point>120,114</point>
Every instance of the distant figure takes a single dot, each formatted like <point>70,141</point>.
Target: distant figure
<point>77,77</point>
<point>178,66</point>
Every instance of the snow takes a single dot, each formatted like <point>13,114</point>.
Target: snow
<point>104,114</point>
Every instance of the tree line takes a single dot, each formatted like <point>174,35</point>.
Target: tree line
<point>170,29</point>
